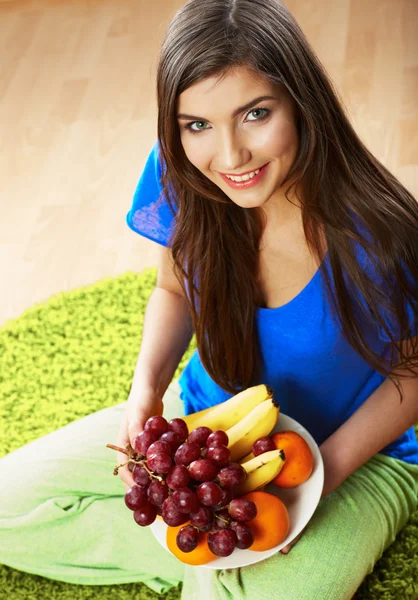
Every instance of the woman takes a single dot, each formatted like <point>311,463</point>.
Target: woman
<point>305,280</point>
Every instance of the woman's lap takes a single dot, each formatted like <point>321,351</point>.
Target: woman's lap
<point>347,534</point>
<point>65,518</point>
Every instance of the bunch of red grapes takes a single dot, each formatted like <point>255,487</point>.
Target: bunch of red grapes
<point>189,477</point>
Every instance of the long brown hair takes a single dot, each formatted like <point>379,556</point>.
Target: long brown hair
<point>343,184</point>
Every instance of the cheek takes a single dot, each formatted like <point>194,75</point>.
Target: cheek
<point>281,142</point>
<point>196,153</point>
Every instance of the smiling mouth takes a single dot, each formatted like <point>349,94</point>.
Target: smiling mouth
<point>248,181</point>
<point>253,173</point>
<point>245,172</point>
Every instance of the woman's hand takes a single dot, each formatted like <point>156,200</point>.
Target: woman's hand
<point>138,410</point>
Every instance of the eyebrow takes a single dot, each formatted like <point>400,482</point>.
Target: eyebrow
<point>235,113</point>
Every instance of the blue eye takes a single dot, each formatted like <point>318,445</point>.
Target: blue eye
<point>259,109</point>
<point>265,111</point>
<point>189,126</point>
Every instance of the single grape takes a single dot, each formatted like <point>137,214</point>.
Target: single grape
<point>178,477</point>
<point>146,514</point>
<point>199,435</point>
<point>180,427</point>
<point>159,463</point>
<point>202,518</point>
<point>144,440</point>
<point>185,500</point>
<point>187,538</point>
<point>263,444</point>
<point>232,475</point>
<point>219,454</point>
<point>244,535</point>
<point>131,466</point>
<point>187,453</point>
<point>171,514</point>
<point>222,519</point>
<point>209,493</point>
<point>222,542</point>
<point>158,447</point>
<point>225,499</point>
<point>135,497</point>
<point>156,424</point>
<point>217,438</point>
<point>140,475</point>
<point>173,439</point>
<point>157,492</point>
<point>242,509</point>
<point>203,469</point>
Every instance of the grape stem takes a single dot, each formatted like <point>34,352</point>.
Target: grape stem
<point>129,451</point>
<point>222,519</point>
<point>119,449</point>
<point>150,473</point>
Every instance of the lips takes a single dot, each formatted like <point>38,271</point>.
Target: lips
<point>246,184</point>
<point>242,174</point>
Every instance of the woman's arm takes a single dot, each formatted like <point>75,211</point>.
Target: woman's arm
<point>376,423</point>
<point>167,332</point>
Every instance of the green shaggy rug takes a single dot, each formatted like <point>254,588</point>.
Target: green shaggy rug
<point>75,354</point>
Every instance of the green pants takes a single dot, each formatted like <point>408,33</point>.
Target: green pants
<point>62,516</point>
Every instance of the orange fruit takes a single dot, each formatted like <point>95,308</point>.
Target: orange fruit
<point>299,459</point>
<point>199,556</point>
<point>271,525</point>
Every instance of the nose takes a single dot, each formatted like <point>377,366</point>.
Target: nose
<point>232,154</point>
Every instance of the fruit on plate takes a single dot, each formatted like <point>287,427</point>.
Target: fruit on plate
<point>271,525</point>
<point>299,459</point>
<point>226,414</point>
<point>257,423</point>
<point>267,529</point>
<point>200,555</point>
<point>263,444</point>
<point>261,470</point>
<point>228,529</point>
<point>191,478</point>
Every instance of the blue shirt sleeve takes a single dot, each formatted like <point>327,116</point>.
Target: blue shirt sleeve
<point>150,214</point>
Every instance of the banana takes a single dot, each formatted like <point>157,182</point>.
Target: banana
<point>226,414</point>
<point>257,423</point>
<point>247,458</point>
<point>261,470</point>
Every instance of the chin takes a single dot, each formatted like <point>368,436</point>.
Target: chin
<point>249,204</point>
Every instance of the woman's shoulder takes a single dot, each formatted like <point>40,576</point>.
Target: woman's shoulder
<point>150,214</point>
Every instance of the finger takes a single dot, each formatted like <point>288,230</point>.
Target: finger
<point>121,464</point>
<point>124,473</point>
<point>289,546</point>
<point>135,426</point>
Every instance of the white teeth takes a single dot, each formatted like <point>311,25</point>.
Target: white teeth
<point>244,177</point>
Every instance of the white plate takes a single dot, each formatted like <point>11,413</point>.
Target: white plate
<point>300,501</point>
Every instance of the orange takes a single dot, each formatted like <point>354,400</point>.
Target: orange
<point>299,459</point>
<point>271,525</point>
<point>199,556</point>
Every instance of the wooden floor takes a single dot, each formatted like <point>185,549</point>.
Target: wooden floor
<point>78,118</point>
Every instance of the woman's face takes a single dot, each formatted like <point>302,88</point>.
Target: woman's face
<point>219,140</point>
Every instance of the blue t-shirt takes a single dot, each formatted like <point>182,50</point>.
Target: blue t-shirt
<point>317,377</point>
